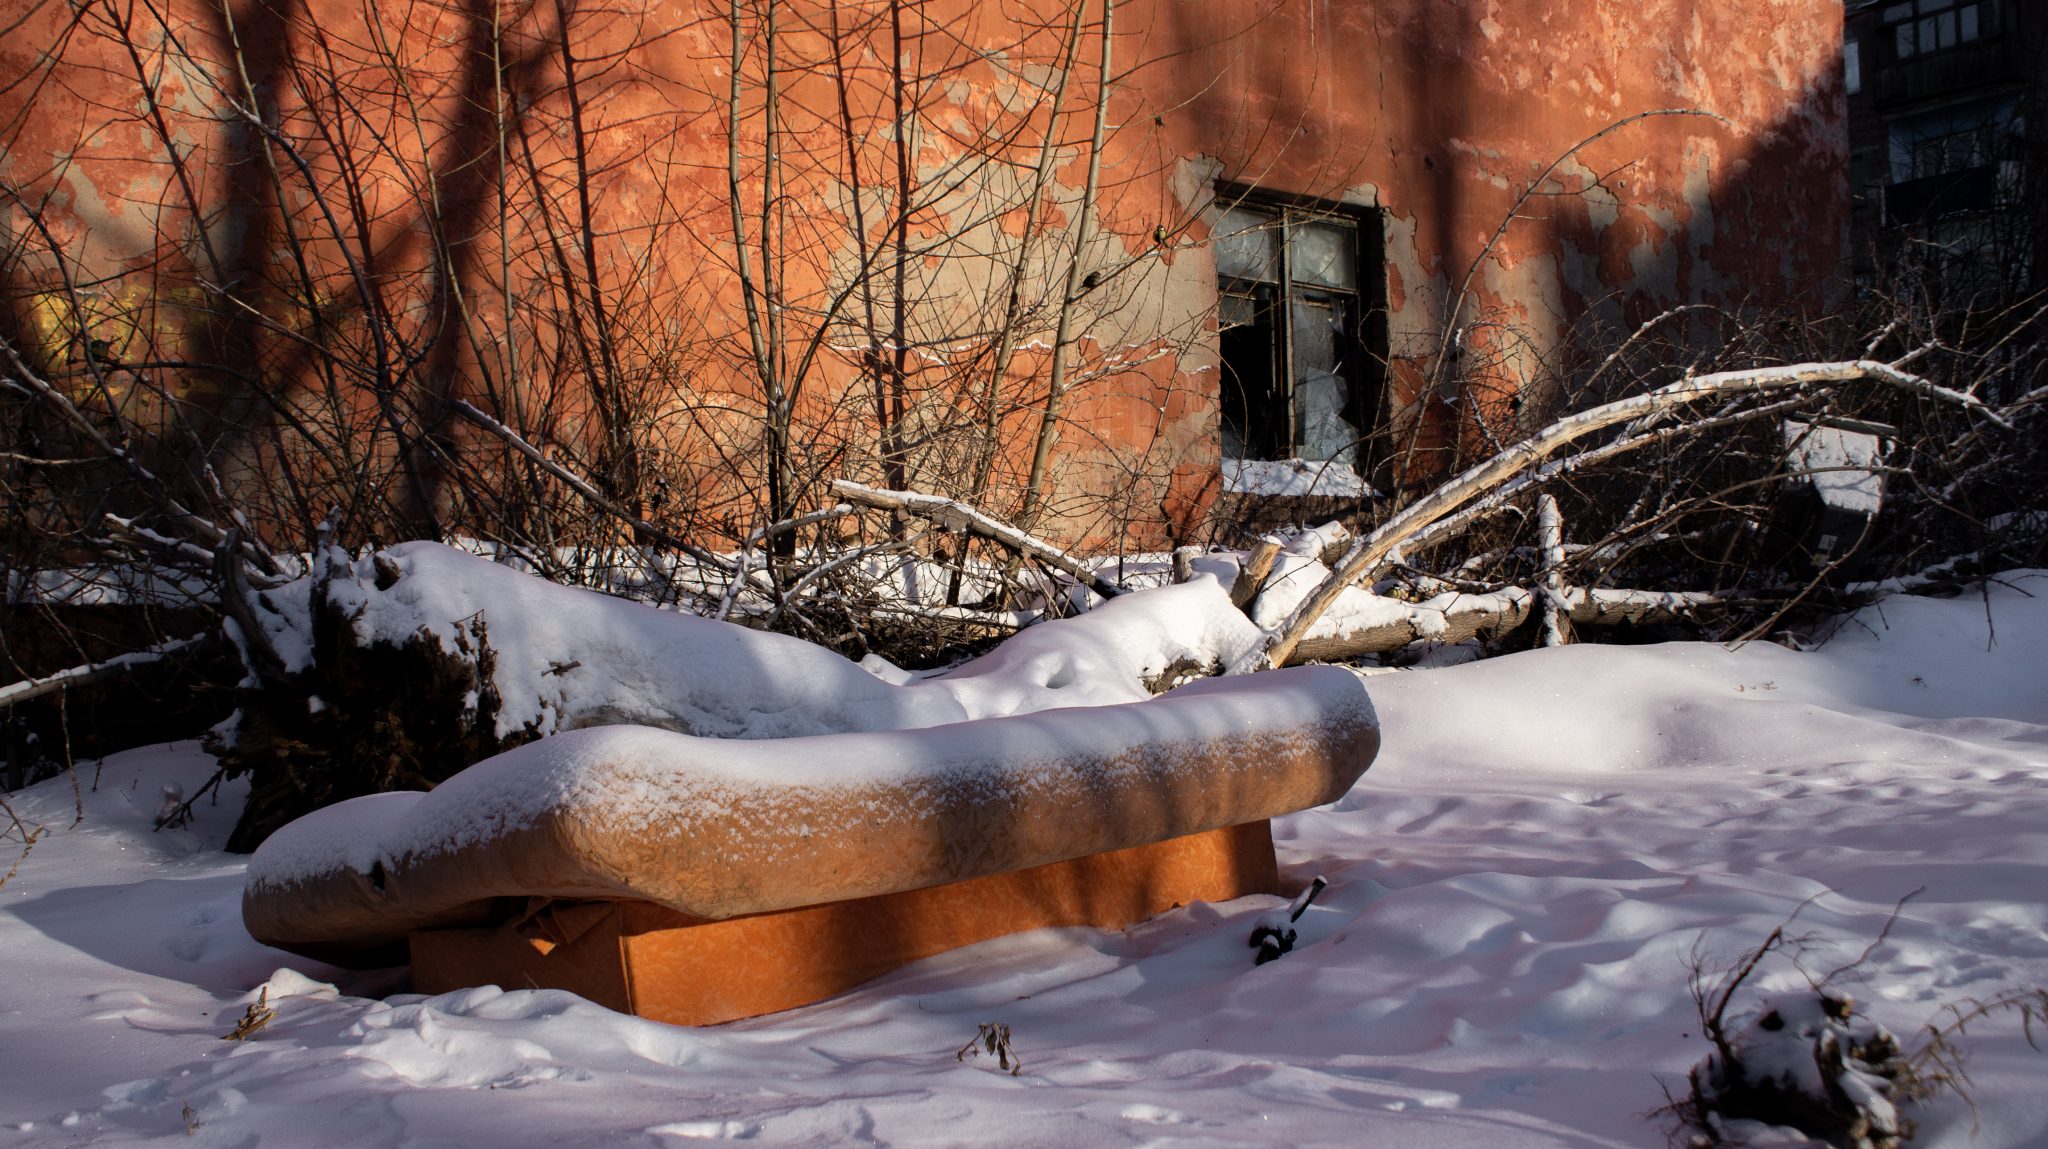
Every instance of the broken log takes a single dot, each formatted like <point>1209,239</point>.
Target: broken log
<point>1468,616</point>
<point>1251,577</point>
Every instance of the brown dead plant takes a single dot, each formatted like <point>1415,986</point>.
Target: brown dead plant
<point>993,1038</point>
<point>1810,1061</point>
<point>258,1015</point>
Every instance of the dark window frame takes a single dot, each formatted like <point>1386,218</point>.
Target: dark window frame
<point>1916,29</point>
<point>1272,433</point>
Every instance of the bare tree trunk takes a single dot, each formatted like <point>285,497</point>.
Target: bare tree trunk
<point>1013,307</point>
<point>1076,285</point>
<point>620,471</point>
<point>750,294</point>
<point>893,469</point>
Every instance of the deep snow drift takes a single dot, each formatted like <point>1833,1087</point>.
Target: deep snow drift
<point>1499,959</point>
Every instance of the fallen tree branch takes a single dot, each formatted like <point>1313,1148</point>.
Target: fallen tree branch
<point>792,525</point>
<point>582,486</point>
<point>959,516</point>
<point>127,530</point>
<point>841,561</point>
<point>258,653</point>
<point>1501,498</point>
<point>1370,551</point>
<point>1468,616</point>
<point>15,693</point>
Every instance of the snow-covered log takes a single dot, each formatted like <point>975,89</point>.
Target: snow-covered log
<point>400,668</point>
<point>1457,617</point>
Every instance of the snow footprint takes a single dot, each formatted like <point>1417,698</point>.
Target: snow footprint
<point>704,1130</point>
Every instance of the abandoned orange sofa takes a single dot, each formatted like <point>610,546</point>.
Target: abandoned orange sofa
<point>698,880</point>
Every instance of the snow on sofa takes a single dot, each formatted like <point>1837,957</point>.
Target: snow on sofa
<point>697,880</point>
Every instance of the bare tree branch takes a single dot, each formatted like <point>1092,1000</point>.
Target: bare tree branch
<point>959,516</point>
<point>15,693</point>
<point>581,486</point>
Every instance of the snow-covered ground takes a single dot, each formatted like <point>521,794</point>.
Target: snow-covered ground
<point>1499,961</point>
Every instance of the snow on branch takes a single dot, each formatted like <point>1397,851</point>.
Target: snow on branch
<point>15,693</point>
<point>958,516</point>
<point>1453,618</point>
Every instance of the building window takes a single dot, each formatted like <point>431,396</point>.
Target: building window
<point>1955,139</point>
<point>1921,27</point>
<point>1298,290</point>
<point>1852,66</point>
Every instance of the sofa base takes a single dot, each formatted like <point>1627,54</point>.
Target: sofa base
<point>646,959</point>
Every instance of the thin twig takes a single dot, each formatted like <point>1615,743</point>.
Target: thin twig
<point>581,486</point>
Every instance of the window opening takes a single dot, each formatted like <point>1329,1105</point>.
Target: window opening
<point>1297,379</point>
<point>1955,140</point>
<point>1928,26</point>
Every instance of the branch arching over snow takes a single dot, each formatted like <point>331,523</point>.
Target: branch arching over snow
<point>959,516</point>
<point>1371,550</point>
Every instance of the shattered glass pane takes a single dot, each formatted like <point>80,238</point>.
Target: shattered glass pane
<point>1245,245</point>
<point>1323,252</point>
<point>1235,311</point>
<point>1322,396</point>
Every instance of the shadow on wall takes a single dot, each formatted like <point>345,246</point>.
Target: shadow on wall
<point>539,221</point>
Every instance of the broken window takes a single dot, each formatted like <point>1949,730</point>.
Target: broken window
<point>1298,381</point>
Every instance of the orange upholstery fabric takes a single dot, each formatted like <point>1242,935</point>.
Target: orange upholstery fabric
<point>647,959</point>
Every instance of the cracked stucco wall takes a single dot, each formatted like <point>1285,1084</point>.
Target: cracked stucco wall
<point>1440,113</point>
